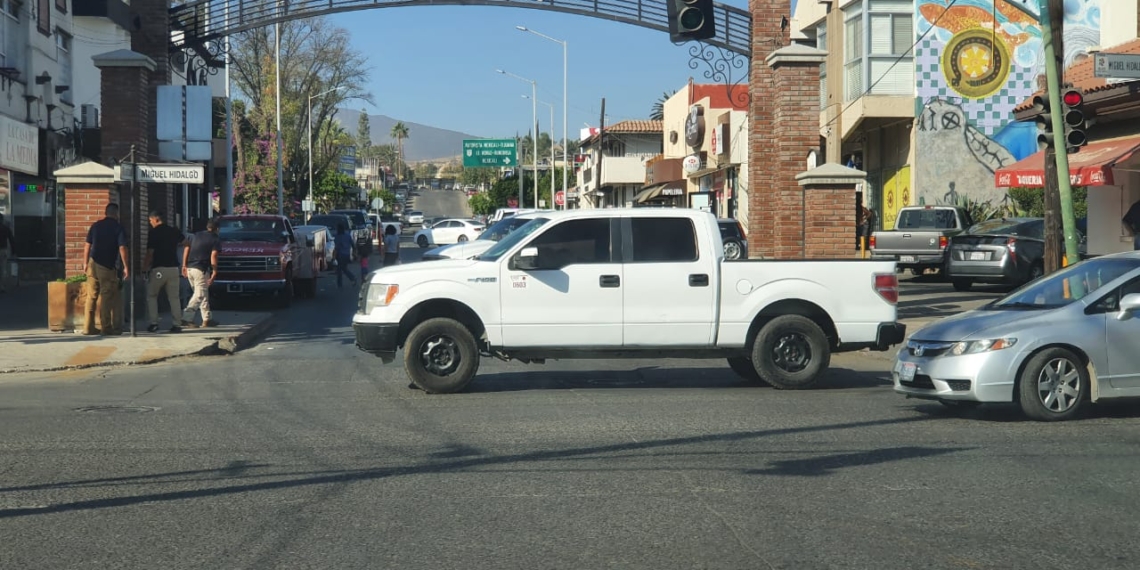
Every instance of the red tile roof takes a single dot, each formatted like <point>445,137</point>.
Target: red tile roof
<point>631,127</point>
<point>722,96</point>
<point>1082,77</point>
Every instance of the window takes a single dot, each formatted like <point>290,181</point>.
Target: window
<point>61,5</point>
<point>936,219</point>
<point>43,16</point>
<point>574,242</point>
<point>853,52</point>
<point>877,55</point>
<point>63,57</point>
<point>11,38</point>
<point>668,240</point>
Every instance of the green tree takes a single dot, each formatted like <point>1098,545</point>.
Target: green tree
<point>481,204</point>
<point>426,170</point>
<point>363,135</point>
<point>503,190</point>
<point>255,180</point>
<point>1031,201</point>
<point>335,189</point>
<point>400,132</point>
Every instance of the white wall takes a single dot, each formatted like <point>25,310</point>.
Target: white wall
<point>97,36</point>
<point>1118,22</point>
<point>1107,204</point>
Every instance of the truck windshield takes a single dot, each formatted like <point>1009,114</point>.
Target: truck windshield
<point>252,230</point>
<point>511,239</point>
<point>933,219</point>
<point>357,217</point>
<point>502,228</point>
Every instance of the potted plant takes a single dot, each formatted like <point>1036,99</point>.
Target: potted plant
<point>67,303</point>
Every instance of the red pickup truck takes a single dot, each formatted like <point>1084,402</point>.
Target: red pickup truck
<point>257,257</point>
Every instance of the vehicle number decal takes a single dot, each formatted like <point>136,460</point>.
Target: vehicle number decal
<point>518,281</point>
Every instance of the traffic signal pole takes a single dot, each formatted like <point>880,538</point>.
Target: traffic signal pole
<point>1057,118</point>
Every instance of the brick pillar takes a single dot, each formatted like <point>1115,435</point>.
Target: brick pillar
<point>794,108</point>
<point>127,100</point>
<point>829,211</point>
<point>152,39</point>
<point>87,189</point>
<point>767,37</point>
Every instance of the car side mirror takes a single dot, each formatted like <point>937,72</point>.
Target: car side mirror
<point>1129,304</point>
<point>527,259</point>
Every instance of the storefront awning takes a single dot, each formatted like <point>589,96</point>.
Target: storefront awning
<point>666,190</point>
<point>1091,166</point>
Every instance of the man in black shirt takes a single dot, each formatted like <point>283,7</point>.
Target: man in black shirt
<point>106,244</point>
<point>200,266</point>
<point>161,269</point>
<point>6,250</point>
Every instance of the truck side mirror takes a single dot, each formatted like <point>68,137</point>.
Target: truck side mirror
<point>527,259</point>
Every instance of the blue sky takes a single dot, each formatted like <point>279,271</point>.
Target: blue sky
<point>435,65</point>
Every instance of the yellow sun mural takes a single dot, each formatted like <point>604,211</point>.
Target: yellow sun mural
<point>976,63</point>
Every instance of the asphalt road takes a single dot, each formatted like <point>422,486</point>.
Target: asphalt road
<point>303,452</point>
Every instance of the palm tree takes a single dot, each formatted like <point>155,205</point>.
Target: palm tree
<point>400,132</point>
<point>657,113</point>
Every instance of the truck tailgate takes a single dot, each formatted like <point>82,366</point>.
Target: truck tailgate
<point>919,242</point>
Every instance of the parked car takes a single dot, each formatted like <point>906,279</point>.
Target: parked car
<point>920,237</point>
<point>331,221</point>
<point>488,238</point>
<point>415,218</point>
<point>362,231</point>
<point>735,243</point>
<point>625,283</point>
<point>256,257</point>
<point>1008,251</point>
<point>322,242</point>
<point>448,231</point>
<point>1052,347</point>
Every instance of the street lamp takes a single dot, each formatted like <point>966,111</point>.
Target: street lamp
<point>311,97</point>
<point>533,121</point>
<point>565,105</point>
<point>552,192</point>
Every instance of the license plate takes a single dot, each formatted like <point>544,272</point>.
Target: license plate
<point>907,371</point>
<point>978,256</point>
<point>906,259</point>
<point>233,288</point>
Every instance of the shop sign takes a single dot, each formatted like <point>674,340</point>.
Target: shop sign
<point>672,191</point>
<point>20,146</point>
<point>718,141</point>
<point>691,164</point>
<point>695,127</point>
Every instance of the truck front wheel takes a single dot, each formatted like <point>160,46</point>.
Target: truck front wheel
<point>791,352</point>
<point>441,356</point>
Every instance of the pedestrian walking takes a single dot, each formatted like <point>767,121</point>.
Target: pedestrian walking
<point>106,245</point>
<point>391,246</point>
<point>200,266</point>
<point>160,269</point>
<point>7,254</point>
<point>343,249</point>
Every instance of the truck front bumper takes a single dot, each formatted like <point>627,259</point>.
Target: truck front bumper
<point>246,287</point>
<point>379,339</point>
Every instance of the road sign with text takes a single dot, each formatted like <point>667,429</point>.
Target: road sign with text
<point>161,173</point>
<point>489,152</point>
<point>1117,65</point>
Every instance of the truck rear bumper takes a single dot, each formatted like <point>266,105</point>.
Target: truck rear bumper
<point>377,339</point>
<point>911,259</point>
<point>889,335</point>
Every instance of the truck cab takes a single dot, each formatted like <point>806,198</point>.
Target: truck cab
<point>257,257</point>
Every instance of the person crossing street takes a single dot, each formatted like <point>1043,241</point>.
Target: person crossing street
<point>200,266</point>
<point>344,247</point>
<point>161,270</point>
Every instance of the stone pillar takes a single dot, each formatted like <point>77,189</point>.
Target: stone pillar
<point>768,35</point>
<point>127,99</point>
<point>794,101</point>
<point>87,189</point>
<point>828,230</point>
<point>152,39</point>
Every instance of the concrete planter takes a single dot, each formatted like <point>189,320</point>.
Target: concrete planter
<point>66,305</point>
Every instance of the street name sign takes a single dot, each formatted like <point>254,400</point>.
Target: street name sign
<point>162,173</point>
<point>489,152</point>
<point>1117,65</point>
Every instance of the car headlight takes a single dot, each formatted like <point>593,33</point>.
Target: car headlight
<point>378,295</point>
<point>979,346</point>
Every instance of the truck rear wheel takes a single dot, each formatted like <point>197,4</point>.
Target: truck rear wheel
<point>440,356</point>
<point>791,352</point>
<point>744,369</point>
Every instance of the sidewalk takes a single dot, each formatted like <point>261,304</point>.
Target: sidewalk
<point>26,344</point>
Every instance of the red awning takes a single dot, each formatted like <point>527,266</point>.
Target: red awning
<point>1092,166</point>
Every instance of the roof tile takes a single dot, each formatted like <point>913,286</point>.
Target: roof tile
<point>1081,75</point>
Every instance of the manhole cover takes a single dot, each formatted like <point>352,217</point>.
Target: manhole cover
<point>117,409</point>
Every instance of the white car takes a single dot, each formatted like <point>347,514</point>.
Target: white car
<point>414,217</point>
<point>488,238</point>
<point>447,232</point>
<point>625,283</point>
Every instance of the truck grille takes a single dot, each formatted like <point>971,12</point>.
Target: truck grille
<point>251,264</point>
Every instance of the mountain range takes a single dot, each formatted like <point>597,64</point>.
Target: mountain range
<point>423,142</point>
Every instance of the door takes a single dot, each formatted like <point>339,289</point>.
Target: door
<point>670,290</point>
<point>573,298</point>
<point>446,232</point>
<point>1123,372</point>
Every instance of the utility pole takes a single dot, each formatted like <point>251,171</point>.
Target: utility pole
<point>1052,191</point>
<point>280,144</point>
<point>601,139</point>
<point>1057,116</point>
<point>519,166</point>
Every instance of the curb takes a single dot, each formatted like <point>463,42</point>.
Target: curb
<point>244,339</point>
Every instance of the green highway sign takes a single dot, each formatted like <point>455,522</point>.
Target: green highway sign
<point>489,152</point>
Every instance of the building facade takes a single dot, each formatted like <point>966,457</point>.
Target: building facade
<point>622,151</point>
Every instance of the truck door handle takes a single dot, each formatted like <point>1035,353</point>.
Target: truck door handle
<point>609,281</point>
<point>698,280</point>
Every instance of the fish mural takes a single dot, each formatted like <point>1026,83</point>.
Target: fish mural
<point>975,61</point>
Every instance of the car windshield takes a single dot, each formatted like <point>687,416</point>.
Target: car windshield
<point>252,230</point>
<point>1068,285</point>
<point>503,227</point>
<point>935,219</point>
<point>512,239</point>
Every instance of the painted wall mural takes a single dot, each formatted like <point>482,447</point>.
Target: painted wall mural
<point>977,60</point>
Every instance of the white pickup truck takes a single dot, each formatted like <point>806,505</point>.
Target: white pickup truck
<point>638,283</point>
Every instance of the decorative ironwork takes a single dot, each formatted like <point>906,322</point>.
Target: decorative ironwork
<point>202,20</point>
<point>723,66</point>
<point>196,62</point>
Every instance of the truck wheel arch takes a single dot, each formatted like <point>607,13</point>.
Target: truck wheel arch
<point>446,308</point>
<point>793,307</point>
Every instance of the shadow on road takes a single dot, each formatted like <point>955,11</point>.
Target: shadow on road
<point>828,464</point>
<point>654,377</point>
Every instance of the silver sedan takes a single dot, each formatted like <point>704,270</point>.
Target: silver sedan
<point>1052,346</point>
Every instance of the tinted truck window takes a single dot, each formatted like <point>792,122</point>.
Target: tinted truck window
<point>663,240</point>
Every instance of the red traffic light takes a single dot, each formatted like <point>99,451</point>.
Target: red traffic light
<point>1073,98</point>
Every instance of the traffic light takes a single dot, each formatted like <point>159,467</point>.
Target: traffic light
<point>690,20</point>
<point>1075,136</point>
<point>1044,120</point>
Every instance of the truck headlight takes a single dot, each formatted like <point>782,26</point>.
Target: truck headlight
<point>378,295</point>
<point>273,261</point>
<point>978,346</point>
